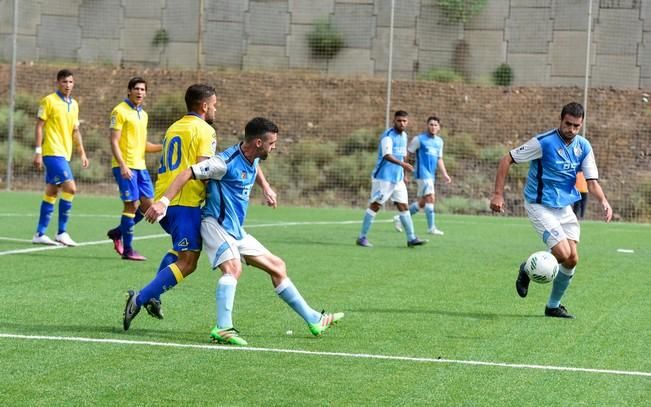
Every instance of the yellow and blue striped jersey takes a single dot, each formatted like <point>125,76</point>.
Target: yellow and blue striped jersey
<point>131,120</point>
<point>61,117</point>
<point>185,141</point>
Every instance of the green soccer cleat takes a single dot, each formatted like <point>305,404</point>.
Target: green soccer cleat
<point>228,336</point>
<point>326,321</point>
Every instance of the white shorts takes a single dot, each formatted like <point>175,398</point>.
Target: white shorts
<point>425,187</point>
<point>553,224</point>
<point>219,246</point>
<point>381,191</point>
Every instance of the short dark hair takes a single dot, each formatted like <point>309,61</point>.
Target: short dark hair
<point>64,73</point>
<point>573,109</point>
<point>136,80</point>
<point>433,118</point>
<point>196,94</point>
<point>258,127</point>
<point>400,113</point>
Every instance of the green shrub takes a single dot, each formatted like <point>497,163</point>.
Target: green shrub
<point>23,129</point>
<point>98,171</point>
<point>22,157</point>
<point>27,103</point>
<point>460,11</point>
<point>503,75</point>
<point>314,151</point>
<point>441,75</point>
<point>360,140</point>
<point>324,41</point>
<point>492,154</point>
<point>463,146</point>
<point>463,205</point>
<point>167,109</point>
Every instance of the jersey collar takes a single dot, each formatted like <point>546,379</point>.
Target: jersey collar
<point>131,105</point>
<point>63,97</point>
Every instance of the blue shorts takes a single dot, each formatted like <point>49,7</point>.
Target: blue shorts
<point>57,170</point>
<point>183,223</point>
<point>138,186</point>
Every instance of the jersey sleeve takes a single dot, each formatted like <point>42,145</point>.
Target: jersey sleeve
<point>589,167</point>
<point>529,151</point>
<point>213,168</point>
<point>43,110</point>
<point>207,142</point>
<point>386,146</point>
<point>414,145</point>
<point>117,120</point>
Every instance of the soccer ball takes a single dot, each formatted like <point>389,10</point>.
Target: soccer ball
<point>541,267</point>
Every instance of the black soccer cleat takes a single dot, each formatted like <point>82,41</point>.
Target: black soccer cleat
<point>154,308</point>
<point>522,282</point>
<point>560,312</point>
<point>131,309</point>
<point>416,242</point>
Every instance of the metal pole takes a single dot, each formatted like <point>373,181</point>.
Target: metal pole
<point>200,35</point>
<point>12,99</point>
<point>587,70</point>
<point>390,71</point>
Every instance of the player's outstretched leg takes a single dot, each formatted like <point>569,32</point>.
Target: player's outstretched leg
<point>316,322</point>
<point>325,322</point>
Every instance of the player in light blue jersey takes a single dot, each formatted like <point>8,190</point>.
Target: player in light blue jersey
<point>555,158</point>
<point>231,176</point>
<point>388,180</point>
<point>425,151</point>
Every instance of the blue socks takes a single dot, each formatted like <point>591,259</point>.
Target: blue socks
<point>126,229</point>
<point>164,280</point>
<point>65,204</point>
<point>560,284</point>
<point>225,295</point>
<point>47,208</point>
<point>289,293</point>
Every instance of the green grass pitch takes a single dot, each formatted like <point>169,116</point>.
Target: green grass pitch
<point>434,325</point>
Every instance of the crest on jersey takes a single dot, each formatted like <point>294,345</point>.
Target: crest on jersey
<point>578,151</point>
<point>560,151</point>
<point>243,174</point>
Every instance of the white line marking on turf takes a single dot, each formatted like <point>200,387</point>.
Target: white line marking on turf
<point>96,242</point>
<point>330,354</point>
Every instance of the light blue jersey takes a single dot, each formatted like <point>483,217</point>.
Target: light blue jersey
<point>428,150</point>
<point>231,178</point>
<point>553,167</point>
<point>394,143</point>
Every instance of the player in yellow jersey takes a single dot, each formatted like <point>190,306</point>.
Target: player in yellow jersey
<point>57,129</point>
<point>129,145</point>
<point>188,141</point>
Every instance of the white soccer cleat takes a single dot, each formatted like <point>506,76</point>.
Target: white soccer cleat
<point>397,224</point>
<point>65,239</point>
<point>44,239</point>
<point>435,231</point>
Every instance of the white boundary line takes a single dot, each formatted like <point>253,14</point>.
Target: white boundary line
<point>328,354</point>
<point>96,242</point>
